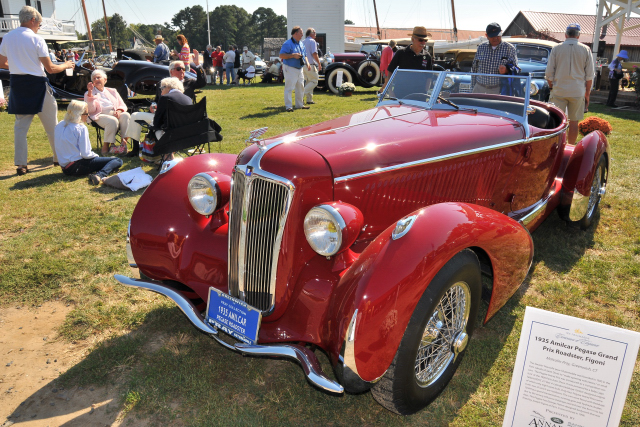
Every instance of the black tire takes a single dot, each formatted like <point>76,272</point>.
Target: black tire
<point>402,389</point>
<point>332,76</point>
<point>598,187</point>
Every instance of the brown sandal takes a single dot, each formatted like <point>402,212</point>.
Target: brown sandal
<point>21,170</point>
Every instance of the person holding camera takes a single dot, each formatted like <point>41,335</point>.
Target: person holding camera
<point>615,74</point>
<point>294,57</point>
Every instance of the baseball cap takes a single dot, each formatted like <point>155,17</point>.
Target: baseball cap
<point>494,30</point>
<point>575,27</point>
<point>245,48</point>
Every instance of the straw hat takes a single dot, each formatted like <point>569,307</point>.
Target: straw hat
<point>420,32</point>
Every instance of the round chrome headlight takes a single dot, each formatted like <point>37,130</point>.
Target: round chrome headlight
<point>533,90</point>
<point>323,227</point>
<point>448,83</point>
<point>203,193</point>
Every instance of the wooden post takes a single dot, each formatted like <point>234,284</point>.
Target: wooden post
<point>106,25</point>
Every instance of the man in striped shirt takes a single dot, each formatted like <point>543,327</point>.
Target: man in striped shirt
<point>491,58</point>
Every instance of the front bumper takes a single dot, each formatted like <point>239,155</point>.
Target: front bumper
<point>305,357</point>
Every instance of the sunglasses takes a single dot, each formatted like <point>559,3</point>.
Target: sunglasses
<point>180,69</point>
<point>84,114</point>
<point>163,87</point>
<point>421,40</point>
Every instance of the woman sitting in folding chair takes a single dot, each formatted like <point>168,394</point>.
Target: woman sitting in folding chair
<point>108,110</point>
<point>172,89</point>
<point>246,75</point>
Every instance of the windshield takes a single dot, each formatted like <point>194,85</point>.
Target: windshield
<point>369,48</point>
<point>503,95</point>
<point>527,52</point>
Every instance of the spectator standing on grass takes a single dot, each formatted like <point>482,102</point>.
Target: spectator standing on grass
<point>311,74</point>
<point>570,76</point>
<point>162,50</point>
<point>229,59</point>
<point>248,58</point>
<point>236,62</point>
<point>185,50</point>
<point>26,56</point>
<point>208,63</point>
<point>218,64</point>
<point>492,57</point>
<point>385,58</point>
<point>615,74</point>
<point>294,58</point>
<point>74,148</point>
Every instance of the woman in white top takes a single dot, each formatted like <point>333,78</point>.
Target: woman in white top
<point>107,108</point>
<point>74,148</point>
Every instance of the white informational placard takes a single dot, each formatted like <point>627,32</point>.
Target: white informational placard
<point>570,372</point>
<point>339,78</point>
<point>1,91</point>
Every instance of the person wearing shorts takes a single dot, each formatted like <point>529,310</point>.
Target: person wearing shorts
<point>570,76</point>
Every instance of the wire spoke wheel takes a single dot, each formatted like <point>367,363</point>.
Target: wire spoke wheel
<point>444,334</point>
<point>597,190</point>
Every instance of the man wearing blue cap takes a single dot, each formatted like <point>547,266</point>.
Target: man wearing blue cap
<point>492,57</point>
<point>615,74</point>
<point>570,76</point>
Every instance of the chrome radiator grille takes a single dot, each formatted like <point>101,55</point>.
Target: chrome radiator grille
<point>257,215</point>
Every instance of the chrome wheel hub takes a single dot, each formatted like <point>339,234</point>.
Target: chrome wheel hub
<point>445,335</point>
<point>598,189</point>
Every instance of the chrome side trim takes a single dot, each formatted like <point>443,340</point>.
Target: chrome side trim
<point>168,165</point>
<point>348,352</point>
<point>305,357</point>
<point>535,211</point>
<point>132,262</point>
<point>445,157</point>
<point>403,226</point>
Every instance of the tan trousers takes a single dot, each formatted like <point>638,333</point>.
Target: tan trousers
<point>478,88</point>
<point>111,125</point>
<point>311,81</point>
<point>49,118</point>
<point>134,129</point>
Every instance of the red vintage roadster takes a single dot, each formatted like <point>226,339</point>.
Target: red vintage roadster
<point>367,236</point>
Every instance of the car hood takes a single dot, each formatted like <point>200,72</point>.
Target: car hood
<point>392,135</point>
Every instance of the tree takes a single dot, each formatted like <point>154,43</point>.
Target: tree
<point>118,30</point>
<point>266,23</point>
<point>229,25</point>
<point>192,23</point>
<point>349,22</point>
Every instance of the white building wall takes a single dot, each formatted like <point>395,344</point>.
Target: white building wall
<point>325,16</point>
<point>13,7</point>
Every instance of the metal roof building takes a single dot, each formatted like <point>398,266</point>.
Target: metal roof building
<point>553,25</point>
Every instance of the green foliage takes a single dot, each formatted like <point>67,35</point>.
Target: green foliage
<point>120,35</point>
<point>349,22</point>
<point>192,23</point>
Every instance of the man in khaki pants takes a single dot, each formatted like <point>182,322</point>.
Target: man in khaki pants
<point>570,75</point>
<point>311,74</point>
<point>27,56</point>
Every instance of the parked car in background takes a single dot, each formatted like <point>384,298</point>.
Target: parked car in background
<point>533,55</point>
<point>360,68</point>
<point>366,236</point>
<point>260,66</point>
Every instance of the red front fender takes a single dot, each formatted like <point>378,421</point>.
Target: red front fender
<point>390,276</point>
<point>582,162</point>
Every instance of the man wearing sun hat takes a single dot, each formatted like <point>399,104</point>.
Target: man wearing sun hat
<point>162,50</point>
<point>615,74</point>
<point>570,75</point>
<point>413,57</point>
<point>492,57</point>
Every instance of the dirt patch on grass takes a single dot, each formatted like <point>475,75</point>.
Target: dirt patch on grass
<point>31,359</point>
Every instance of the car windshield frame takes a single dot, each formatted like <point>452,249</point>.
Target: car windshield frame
<point>373,48</point>
<point>406,78</point>
<point>521,57</point>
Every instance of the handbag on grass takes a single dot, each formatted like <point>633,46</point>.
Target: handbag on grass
<point>146,151</point>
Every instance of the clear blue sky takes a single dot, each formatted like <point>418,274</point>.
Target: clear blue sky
<point>470,14</point>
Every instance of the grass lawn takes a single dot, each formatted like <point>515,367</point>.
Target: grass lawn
<point>61,238</point>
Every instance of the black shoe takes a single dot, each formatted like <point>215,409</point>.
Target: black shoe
<point>613,106</point>
<point>133,153</point>
<point>56,164</point>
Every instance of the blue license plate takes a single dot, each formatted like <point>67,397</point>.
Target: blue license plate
<point>233,316</point>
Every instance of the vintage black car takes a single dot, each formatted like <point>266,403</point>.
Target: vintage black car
<point>126,76</point>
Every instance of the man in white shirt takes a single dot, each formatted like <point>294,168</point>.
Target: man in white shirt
<point>311,74</point>
<point>27,56</point>
<point>570,76</point>
<point>248,58</point>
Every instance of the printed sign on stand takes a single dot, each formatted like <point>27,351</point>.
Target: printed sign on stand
<point>570,372</point>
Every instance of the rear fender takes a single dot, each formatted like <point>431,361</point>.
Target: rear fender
<point>384,285</point>
<point>581,163</point>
